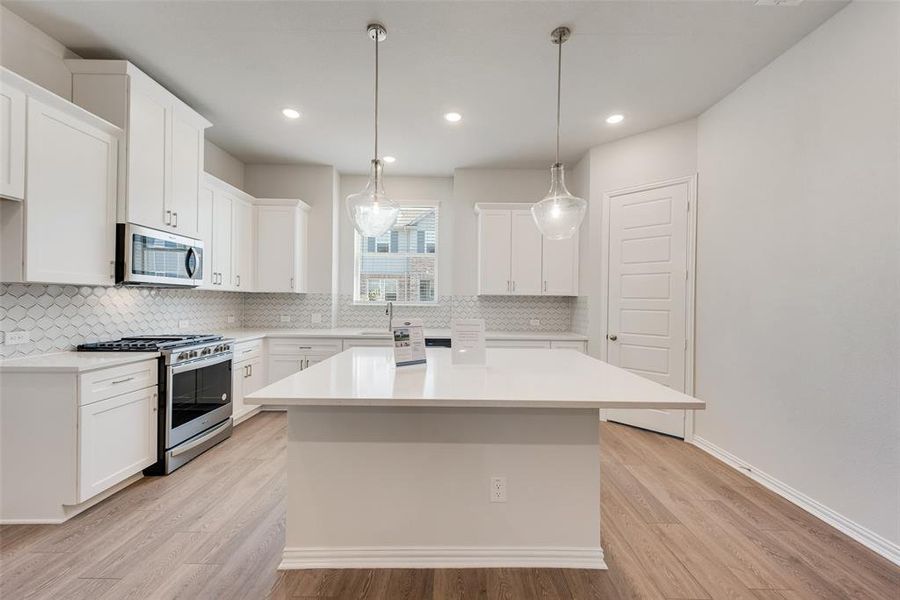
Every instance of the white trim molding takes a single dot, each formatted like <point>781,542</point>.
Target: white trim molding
<point>441,557</point>
<point>864,536</point>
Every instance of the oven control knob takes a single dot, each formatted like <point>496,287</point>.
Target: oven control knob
<point>194,354</point>
<point>206,351</point>
<point>182,356</point>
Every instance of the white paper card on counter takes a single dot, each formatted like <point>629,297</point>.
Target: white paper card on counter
<point>467,342</point>
<point>409,342</point>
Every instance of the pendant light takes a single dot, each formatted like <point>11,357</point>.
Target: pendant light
<point>371,211</point>
<point>559,214</point>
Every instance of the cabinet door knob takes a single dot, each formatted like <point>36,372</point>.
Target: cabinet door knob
<point>168,217</point>
<point>174,219</point>
<point>612,337</point>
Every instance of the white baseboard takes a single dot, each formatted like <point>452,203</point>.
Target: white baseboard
<point>866,537</point>
<point>441,557</point>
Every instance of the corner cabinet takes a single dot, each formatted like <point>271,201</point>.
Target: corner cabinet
<point>282,234</point>
<point>63,229</point>
<point>161,161</point>
<point>514,259</point>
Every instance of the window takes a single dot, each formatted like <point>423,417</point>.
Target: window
<point>401,265</point>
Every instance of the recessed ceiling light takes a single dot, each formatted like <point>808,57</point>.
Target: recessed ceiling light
<point>613,119</point>
<point>290,113</point>
<point>453,117</point>
<point>389,159</point>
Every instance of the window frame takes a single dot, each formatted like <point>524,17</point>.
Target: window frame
<point>357,244</point>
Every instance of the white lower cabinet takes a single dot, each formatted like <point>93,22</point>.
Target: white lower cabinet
<point>287,356</point>
<point>68,437</point>
<point>116,439</point>
<point>517,344</point>
<point>246,378</point>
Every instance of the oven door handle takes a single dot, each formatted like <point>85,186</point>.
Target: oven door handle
<point>193,366</point>
<point>196,442</point>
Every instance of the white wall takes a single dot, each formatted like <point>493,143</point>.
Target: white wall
<point>798,306</point>
<point>315,186</point>
<point>33,54</point>
<point>471,186</point>
<point>665,153</point>
<point>402,189</point>
<point>221,164</point>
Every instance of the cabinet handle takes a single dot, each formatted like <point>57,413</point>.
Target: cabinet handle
<point>545,285</point>
<point>514,285</point>
<point>117,381</point>
<point>507,285</point>
<point>250,366</point>
<point>174,219</point>
<point>112,269</point>
<point>168,217</point>
<point>307,363</point>
<point>292,284</point>
<point>304,347</point>
<point>238,277</point>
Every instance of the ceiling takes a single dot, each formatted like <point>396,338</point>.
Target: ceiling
<point>240,63</point>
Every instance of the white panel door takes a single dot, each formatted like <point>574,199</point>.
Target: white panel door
<point>205,232</point>
<point>648,237</point>
<point>560,267</point>
<point>526,255</point>
<point>223,219</point>
<point>280,367</point>
<point>187,163</point>
<point>12,142</point>
<point>116,439</point>
<point>242,277</point>
<point>149,159</point>
<point>275,248</point>
<point>71,206</point>
<point>494,252</point>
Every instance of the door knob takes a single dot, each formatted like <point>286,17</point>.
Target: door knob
<point>612,337</point>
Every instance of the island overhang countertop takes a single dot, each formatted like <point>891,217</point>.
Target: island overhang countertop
<point>514,378</point>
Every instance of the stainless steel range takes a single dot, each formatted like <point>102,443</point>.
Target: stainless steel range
<point>194,392</point>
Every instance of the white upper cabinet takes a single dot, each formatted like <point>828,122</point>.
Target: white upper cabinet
<point>560,267</point>
<point>227,226</point>
<point>494,245</point>
<point>525,259</point>
<point>161,161</point>
<point>281,245</point>
<point>515,259</point>
<point>64,229</point>
<point>12,139</point>
<point>243,246</point>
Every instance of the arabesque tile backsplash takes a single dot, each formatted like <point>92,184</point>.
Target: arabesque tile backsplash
<point>60,317</point>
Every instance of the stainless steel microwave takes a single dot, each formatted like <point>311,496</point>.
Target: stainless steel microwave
<point>152,257</point>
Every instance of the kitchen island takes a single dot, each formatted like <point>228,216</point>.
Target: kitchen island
<point>441,465</point>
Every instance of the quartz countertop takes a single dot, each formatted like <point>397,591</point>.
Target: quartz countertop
<point>74,362</point>
<point>512,378</point>
<point>247,334</point>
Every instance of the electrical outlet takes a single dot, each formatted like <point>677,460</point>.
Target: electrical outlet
<point>184,324</point>
<point>231,318</point>
<point>13,338</point>
<point>535,322</point>
<point>285,318</point>
<point>316,317</point>
<point>498,489</point>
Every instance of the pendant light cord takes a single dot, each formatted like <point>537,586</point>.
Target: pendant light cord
<point>376,95</point>
<point>558,93</point>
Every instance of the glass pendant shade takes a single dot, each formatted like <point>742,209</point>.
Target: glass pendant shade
<point>371,211</point>
<point>558,216</point>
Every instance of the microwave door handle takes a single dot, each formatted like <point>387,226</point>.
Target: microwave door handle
<point>190,262</point>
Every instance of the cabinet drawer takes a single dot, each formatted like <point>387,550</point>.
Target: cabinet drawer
<point>248,350</point>
<point>106,383</point>
<point>517,344</point>
<point>573,344</point>
<point>304,346</point>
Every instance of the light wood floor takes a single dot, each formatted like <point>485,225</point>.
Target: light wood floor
<point>676,524</point>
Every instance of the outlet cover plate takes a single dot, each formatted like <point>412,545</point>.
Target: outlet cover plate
<point>498,489</point>
<point>13,338</point>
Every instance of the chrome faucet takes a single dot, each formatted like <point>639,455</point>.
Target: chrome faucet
<point>389,311</point>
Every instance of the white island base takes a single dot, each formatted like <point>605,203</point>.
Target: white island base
<point>411,487</point>
<point>392,467</point>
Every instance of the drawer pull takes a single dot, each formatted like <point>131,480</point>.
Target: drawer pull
<point>248,350</point>
<point>117,381</point>
<point>304,347</point>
